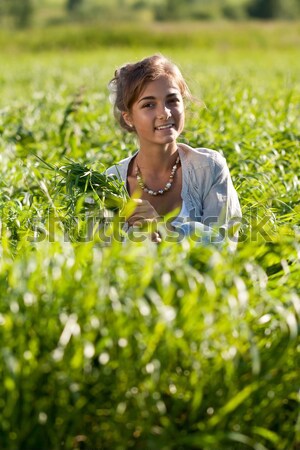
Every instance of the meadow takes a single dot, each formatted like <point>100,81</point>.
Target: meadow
<point>116,345</point>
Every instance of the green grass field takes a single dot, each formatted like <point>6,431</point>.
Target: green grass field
<point>110,345</point>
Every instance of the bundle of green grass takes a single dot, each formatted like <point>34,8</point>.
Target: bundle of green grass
<point>77,180</point>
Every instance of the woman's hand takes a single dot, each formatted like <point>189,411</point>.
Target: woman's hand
<point>143,212</point>
<point>145,217</point>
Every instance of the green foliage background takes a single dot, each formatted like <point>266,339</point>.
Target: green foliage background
<point>25,13</point>
<point>134,345</point>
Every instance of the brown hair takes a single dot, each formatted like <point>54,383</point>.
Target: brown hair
<point>130,80</point>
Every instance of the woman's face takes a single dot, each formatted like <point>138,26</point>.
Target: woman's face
<point>158,113</point>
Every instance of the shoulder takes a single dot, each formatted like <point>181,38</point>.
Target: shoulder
<point>201,156</point>
<point>119,169</point>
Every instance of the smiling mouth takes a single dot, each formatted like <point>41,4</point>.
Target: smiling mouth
<point>165,127</point>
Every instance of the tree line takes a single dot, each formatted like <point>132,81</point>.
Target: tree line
<point>22,11</point>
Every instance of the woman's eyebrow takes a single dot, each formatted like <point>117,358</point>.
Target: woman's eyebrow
<point>152,97</point>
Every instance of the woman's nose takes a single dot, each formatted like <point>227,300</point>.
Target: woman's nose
<point>164,113</point>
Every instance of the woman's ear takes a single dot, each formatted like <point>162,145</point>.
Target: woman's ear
<point>127,118</point>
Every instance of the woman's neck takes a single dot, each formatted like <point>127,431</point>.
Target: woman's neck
<point>156,158</point>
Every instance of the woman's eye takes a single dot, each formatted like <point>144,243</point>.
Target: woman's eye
<point>148,105</point>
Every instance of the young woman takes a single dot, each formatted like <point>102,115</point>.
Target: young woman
<point>166,176</point>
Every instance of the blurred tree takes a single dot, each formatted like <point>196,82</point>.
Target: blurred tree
<point>72,5</point>
<point>274,9</point>
<point>264,9</point>
<point>234,9</point>
<point>289,9</point>
<point>186,9</point>
<point>21,11</point>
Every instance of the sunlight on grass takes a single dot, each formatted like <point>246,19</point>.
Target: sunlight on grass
<point>111,344</point>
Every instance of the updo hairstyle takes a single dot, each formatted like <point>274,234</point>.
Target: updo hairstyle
<point>130,80</point>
